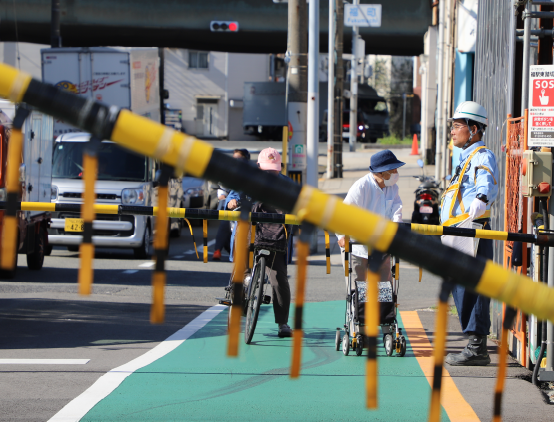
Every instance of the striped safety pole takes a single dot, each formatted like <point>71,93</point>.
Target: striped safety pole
<point>157,311</point>
<point>10,229</point>
<point>239,258</point>
<point>439,351</point>
<point>90,170</point>
<point>327,252</point>
<point>303,250</point>
<point>200,159</point>
<point>284,154</point>
<point>193,241</point>
<point>252,240</point>
<point>371,328</point>
<point>509,315</point>
<point>205,239</point>
<point>346,253</point>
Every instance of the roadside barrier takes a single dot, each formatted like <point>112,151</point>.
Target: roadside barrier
<point>371,311</point>
<point>199,159</point>
<point>509,315</point>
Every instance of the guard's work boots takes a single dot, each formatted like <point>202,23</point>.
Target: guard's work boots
<point>474,354</point>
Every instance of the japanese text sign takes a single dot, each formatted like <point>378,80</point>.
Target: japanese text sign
<point>541,107</point>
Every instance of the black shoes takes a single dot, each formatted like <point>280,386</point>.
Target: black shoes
<point>474,354</point>
<point>284,331</point>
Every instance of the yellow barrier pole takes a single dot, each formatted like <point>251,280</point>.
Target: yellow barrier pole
<point>509,315</point>
<point>10,229</point>
<point>90,170</point>
<point>238,274</point>
<point>157,312</point>
<point>205,239</point>
<point>327,252</point>
<point>439,351</point>
<point>252,239</point>
<point>346,252</point>
<point>371,331</point>
<point>303,250</point>
<point>193,241</point>
<point>284,154</point>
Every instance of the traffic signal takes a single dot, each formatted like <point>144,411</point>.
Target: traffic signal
<point>225,26</point>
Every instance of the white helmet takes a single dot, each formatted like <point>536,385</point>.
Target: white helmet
<point>470,110</point>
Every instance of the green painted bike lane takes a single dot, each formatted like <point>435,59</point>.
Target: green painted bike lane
<point>197,382</point>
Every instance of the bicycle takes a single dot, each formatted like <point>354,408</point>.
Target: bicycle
<point>253,292</point>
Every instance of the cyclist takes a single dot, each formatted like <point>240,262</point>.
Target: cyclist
<point>272,237</point>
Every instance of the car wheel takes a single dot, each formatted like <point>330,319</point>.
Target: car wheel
<point>143,251</point>
<point>35,259</point>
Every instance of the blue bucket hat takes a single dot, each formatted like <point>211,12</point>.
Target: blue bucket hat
<point>384,161</point>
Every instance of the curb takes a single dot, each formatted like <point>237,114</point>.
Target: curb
<point>378,146</point>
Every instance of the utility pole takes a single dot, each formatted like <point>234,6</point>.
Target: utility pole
<point>297,49</point>
<point>440,142</point>
<point>403,116</point>
<point>313,94</point>
<point>339,89</point>
<point>331,91</point>
<point>354,87</point>
<point>55,36</point>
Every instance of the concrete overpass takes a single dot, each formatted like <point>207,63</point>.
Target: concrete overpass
<point>185,24</point>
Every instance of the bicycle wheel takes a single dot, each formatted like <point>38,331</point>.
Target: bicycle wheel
<point>255,299</point>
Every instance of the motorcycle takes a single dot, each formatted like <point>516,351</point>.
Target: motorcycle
<point>426,205</point>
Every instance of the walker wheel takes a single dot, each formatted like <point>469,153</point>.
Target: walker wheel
<point>345,344</point>
<point>337,340</point>
<point>359,345</point>
<point>389,344</point>
<point>402,340</point>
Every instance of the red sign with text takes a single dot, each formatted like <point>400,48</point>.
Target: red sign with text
<point>543,93</point>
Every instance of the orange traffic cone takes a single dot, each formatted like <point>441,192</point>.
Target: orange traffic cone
<point>414,146</point>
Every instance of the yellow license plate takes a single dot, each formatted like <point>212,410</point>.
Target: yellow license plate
<point>74,224</point>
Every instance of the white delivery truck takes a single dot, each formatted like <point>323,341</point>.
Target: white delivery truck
<point>35,176</point>
<point>127,78</point>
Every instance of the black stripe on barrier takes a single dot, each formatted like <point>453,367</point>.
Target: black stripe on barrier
<point>160,255</point>
<point>437,377</point>
<point>98,120</point>
<point>68,207</point>
<point>12,206</point>
<point>87,232</point>
<point>497,403</point>
<point>237,295</point>
<point>260,217</point>
<point>447,263</point>
<point>298,311</point>
<point>328,252</point>
<point>283,193</point>
<point>135,210</point>
<point>196,213</point>
<point>371,347</point>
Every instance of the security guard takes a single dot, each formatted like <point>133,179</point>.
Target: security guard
<point>469,197</point>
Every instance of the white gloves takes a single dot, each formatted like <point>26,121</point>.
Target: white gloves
<point>477,209</point>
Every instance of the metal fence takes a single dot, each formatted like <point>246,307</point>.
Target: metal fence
<point>493,88</point>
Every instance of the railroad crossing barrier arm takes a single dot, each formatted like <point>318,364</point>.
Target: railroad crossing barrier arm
<point>199,159</point>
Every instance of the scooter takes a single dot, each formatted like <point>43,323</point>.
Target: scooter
<point>426,205</point>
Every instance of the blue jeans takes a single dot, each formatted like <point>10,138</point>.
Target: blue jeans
<point>474,309</point>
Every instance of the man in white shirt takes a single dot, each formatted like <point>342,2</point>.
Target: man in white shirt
<point>377,192</point>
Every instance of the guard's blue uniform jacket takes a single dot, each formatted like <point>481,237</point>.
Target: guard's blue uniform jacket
<point>480,175</point>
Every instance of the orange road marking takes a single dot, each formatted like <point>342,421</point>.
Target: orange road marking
<point>456,407</point>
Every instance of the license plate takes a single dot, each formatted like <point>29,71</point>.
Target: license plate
<point>74,224</point>
<point>346,134</point>
<point>423,210</point>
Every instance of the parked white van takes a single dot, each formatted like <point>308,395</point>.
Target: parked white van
<point>123,178</point>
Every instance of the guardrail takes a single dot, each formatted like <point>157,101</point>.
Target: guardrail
<point>186,154</point>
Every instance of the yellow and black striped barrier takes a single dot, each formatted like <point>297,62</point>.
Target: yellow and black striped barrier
<point>161,245</point>
<point>327,252</point>
<point>303,250</point>
<point>439,352</point>
<point>199,159</point>
<point>86,249</point>
<point>371,331</point>
<point>509,315</point>
<point>205,240</point>
<point>10,228</point>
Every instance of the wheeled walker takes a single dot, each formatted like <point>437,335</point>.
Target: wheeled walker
<point>353,337</point>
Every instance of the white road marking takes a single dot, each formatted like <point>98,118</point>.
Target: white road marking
<point>44,361</point>
<point>147,264</point>
<point>178,256</point>
<point>80,406</point>
<point>130,271</point>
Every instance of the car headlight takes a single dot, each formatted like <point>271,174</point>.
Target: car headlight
<point>3,194</point>
<point>194,192</point>
<point>54,194</point>
<point>361,127</point>
<point>132,196</point>
<point>366,126</point>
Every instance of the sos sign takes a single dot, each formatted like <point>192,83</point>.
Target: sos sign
<point>543,93</point>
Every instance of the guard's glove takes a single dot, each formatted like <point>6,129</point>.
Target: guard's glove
<point>477,209</point>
